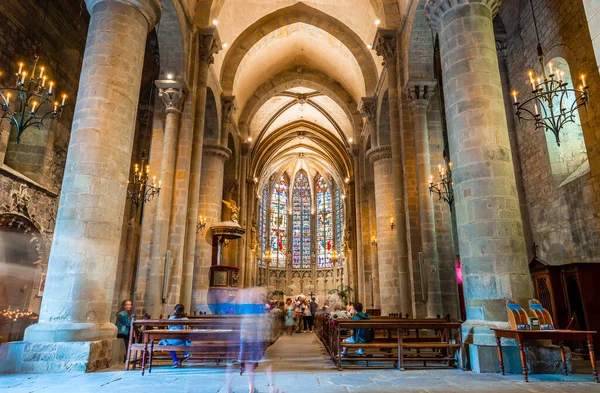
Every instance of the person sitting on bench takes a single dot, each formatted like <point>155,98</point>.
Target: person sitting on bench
<point>359,336</point>
<point>178,314</point>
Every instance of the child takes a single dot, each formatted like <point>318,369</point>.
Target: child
<point>178,314</point>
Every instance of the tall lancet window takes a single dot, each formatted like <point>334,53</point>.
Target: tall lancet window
<point>339,222</point>
<point>262,224</point>
<point>279,199</point>
<point>324,227</point>
<point>301,222</point>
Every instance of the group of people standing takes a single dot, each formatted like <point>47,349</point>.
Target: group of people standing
<point>300,315</point>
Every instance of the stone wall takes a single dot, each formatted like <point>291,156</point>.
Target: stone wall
<point>562,211</point>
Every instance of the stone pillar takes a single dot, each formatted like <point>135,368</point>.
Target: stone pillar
<point>489,224</point>
<point>592,11</point>
<point>240,255</point>
<point>81,271</point>
<point>171,94</point>
<point>419,93</point>
<point>381,158</point>
<point>385,45</point>
<point>209,205</point>
<point>207,46</point>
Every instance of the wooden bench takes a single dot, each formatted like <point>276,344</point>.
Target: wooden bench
<point>214,338</point>
<point>440,350</point>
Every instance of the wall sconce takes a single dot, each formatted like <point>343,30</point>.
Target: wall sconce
<point>374,241</point>
<point>392,223</point>
<point>201,223</point>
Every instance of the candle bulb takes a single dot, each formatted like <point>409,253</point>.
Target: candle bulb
<point>23,75</point>
<point>43,81</point>
<point>63,100</point>
<point>7,98</point>
<point>514,96</point>
<point>20,68</point>
<point>539,81</point>
<point>551,69</point>
<point>153,180</point>
<point>55,106</point>
<point>147,168</point>
<point>50,88</point>
<point>33,106</point>
<point>159,183</point>
<point>42,72</point>
<point>583,80</point>
<point>536,109</point>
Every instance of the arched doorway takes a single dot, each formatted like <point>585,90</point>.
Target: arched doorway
<point>21,279</point>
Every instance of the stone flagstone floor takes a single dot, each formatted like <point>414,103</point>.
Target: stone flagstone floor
<point>301,365</point>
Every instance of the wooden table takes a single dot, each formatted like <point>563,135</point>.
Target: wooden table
<point>559,335</point>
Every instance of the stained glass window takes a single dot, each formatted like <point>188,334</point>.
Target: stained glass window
<point>324,224</point>
<point>301,222</point>
<point>278,231</point>
<point>262,224</point>
<point>339,222</point>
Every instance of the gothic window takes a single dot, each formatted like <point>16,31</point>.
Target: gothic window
<point>339,221</point>
<point>262,224</point>
<point>278,231</point>
<point>324,224</point>
<point>301,222</point>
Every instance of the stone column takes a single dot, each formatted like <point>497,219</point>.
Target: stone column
<point>385,45</point>
<point>419,93</point>
<point>381,158</point>
<point>171,94</point>
<point>207,46</point>
<point>210,206</point>
<point>240,255</point>
<point>592,11</point>
<point>491,241</point>
<point>83,259</point>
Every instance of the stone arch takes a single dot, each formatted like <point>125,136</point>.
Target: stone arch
<point>420,49</point>
<point>211,122</point>
<point>22,255</point>
<point>387,11</point>
<point>383,122</point>
<point>171,40</point>
<point>298,13</point>
<point>307,77</point>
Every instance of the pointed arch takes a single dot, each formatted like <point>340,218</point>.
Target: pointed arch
<point>278,221</point>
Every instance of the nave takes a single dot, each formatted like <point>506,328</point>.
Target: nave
<point>301,365</point>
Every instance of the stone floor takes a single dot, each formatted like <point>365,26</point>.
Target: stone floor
<point>300,365</point>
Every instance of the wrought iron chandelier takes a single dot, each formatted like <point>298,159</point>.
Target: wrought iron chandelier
<point>31,100</point>
<point>445,187</point>
<point>138,190</point>
<point>553,103</point>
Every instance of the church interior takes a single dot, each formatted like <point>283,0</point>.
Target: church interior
<point>430,160</point>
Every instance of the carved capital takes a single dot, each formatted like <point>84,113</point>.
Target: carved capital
<point>368,109</point>
<point>379,153</point>
<point>435,9</point>
<point>228,107</point>
<point>151,9</point>
<point>385,46</point>
<point>171,93</point>
<point>209,44</point>
<point>217,151</point>
<point>419,93</point>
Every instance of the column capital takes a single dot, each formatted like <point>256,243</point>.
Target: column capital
<point>217,151</point>
<point>228,106</point>
<point>368,109</point>
<point>151,9</point>
<point>419,92</point>
<point>385,45</point>
<point>209,44</point>
<point>379,153</point>
<point>435,9</point>
<point>171,92</point>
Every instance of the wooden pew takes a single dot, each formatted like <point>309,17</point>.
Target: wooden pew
<point>214,338</point>
<point>413,349</point>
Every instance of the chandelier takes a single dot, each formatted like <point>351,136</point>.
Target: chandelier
<point>30,101</point>
<point>553,102</point>
<point>444,188</point>
<point>138,190</point>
